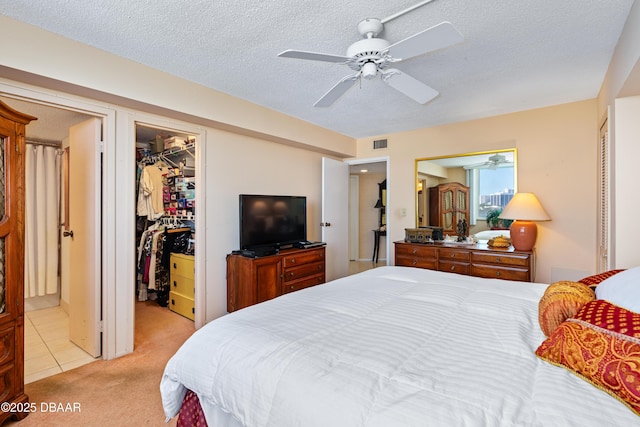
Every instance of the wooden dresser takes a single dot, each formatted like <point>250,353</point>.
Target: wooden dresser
<point>474,260</point>
<point>254,280</point>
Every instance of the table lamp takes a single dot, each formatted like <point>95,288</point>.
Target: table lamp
<point>525,210</point>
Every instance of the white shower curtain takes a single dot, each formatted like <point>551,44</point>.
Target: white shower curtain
<point>42,207</point>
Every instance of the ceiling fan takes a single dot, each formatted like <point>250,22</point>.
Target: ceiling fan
<point>373,56</point>
<point>493,162</point>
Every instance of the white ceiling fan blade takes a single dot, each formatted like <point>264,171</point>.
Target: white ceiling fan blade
<point>433,38</point>
<point>414,89</point>
<point>337,91</point>
<point>313,56</point>
<point>483,165</point>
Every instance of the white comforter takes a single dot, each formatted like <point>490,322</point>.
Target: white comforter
<point>393,346</point>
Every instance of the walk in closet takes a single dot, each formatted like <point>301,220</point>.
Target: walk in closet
<point>165,219</point>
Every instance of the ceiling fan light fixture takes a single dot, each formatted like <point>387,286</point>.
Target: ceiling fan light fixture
<point>369,70</point>
<point>371,56</point>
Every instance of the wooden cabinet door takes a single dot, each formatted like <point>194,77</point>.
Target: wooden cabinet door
<point>448,204</point>
<point>268,277</point>
<point>461,195</point>
<point>252,280</point>
<point>12,176</point>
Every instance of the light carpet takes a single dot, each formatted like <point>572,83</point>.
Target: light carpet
<point>120,392</point>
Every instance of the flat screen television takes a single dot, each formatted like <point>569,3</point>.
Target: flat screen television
<point>272,221</point>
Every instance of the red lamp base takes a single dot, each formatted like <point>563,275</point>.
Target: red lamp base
<point>523,235</point>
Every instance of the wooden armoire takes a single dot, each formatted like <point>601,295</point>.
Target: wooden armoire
<point>448,203</point>
<point>12,198</point>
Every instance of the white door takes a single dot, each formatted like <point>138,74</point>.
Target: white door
<point>84,235</point>
<point>335,217</point>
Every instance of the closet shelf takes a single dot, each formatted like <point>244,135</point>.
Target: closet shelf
<point>188,148</point>
<point>171,152</point>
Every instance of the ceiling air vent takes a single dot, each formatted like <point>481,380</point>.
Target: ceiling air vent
<point>379,143</point>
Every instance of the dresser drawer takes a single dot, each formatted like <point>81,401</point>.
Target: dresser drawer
<point>183,285</point>
<point>182,305</point>
<point>501,259</point>
<point>182,265</point>
<point>475,260</point>
<point>300,271</point>
<point>495,272</point>
<point>303,257</point>
<point>304,283</point>
<point>412,261</point>
<point>453,254</point>
<point>420,251</point>
<point>453,267</point>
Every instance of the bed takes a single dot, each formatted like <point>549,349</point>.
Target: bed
<point>392,346</point>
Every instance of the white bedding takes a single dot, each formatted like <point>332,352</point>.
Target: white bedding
<point>393,346</point>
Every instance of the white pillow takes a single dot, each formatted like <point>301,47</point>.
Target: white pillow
<point>622,289</point>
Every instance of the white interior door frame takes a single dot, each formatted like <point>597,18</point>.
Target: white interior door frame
<point>199,133</point>
<point>383,159</point>
<point>55,99</point>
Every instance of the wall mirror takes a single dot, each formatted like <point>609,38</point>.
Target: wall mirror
<point>473,186</point>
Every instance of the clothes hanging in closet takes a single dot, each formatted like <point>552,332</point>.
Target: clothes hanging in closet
<point>155,246</point>
<point>150,202</point>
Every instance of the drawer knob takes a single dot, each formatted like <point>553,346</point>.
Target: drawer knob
<point>291,274</point>
<point>453,255</point>
<point>414,251</point>
<point>175,265</point>
<point>293,260</point>
<point>453,268</point>
<point>174,283</point>
<point>291,287</point>
<point>415,261</point>
<point>498,273</point>
<point>319,267</point>
<point>498,259</point>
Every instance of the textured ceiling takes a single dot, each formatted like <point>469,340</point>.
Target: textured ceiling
<point>516,55</point>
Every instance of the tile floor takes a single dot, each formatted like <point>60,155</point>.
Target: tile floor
<point>47,349</point>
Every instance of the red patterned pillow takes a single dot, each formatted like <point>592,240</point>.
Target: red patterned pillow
<point>593,281</point>
<point>562,300</point>
<point>601,344</point>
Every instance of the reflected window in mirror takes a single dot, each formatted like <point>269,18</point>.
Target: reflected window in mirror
<point>490,177</point>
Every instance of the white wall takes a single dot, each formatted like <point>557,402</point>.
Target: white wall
<point>627,201</point>
<point>237,164</point>
<point>619,94</point>
<point>557,160</point>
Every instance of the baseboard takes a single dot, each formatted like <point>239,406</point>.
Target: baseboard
<point>64,305</point>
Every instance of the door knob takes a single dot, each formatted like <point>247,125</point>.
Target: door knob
<point>68,233</point>
<point>325,224</point>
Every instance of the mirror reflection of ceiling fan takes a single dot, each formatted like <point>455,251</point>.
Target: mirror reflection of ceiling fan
<point>493,162</point>
<point>373,56</point>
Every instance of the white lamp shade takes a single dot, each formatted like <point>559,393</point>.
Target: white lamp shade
<point>525,207</point>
